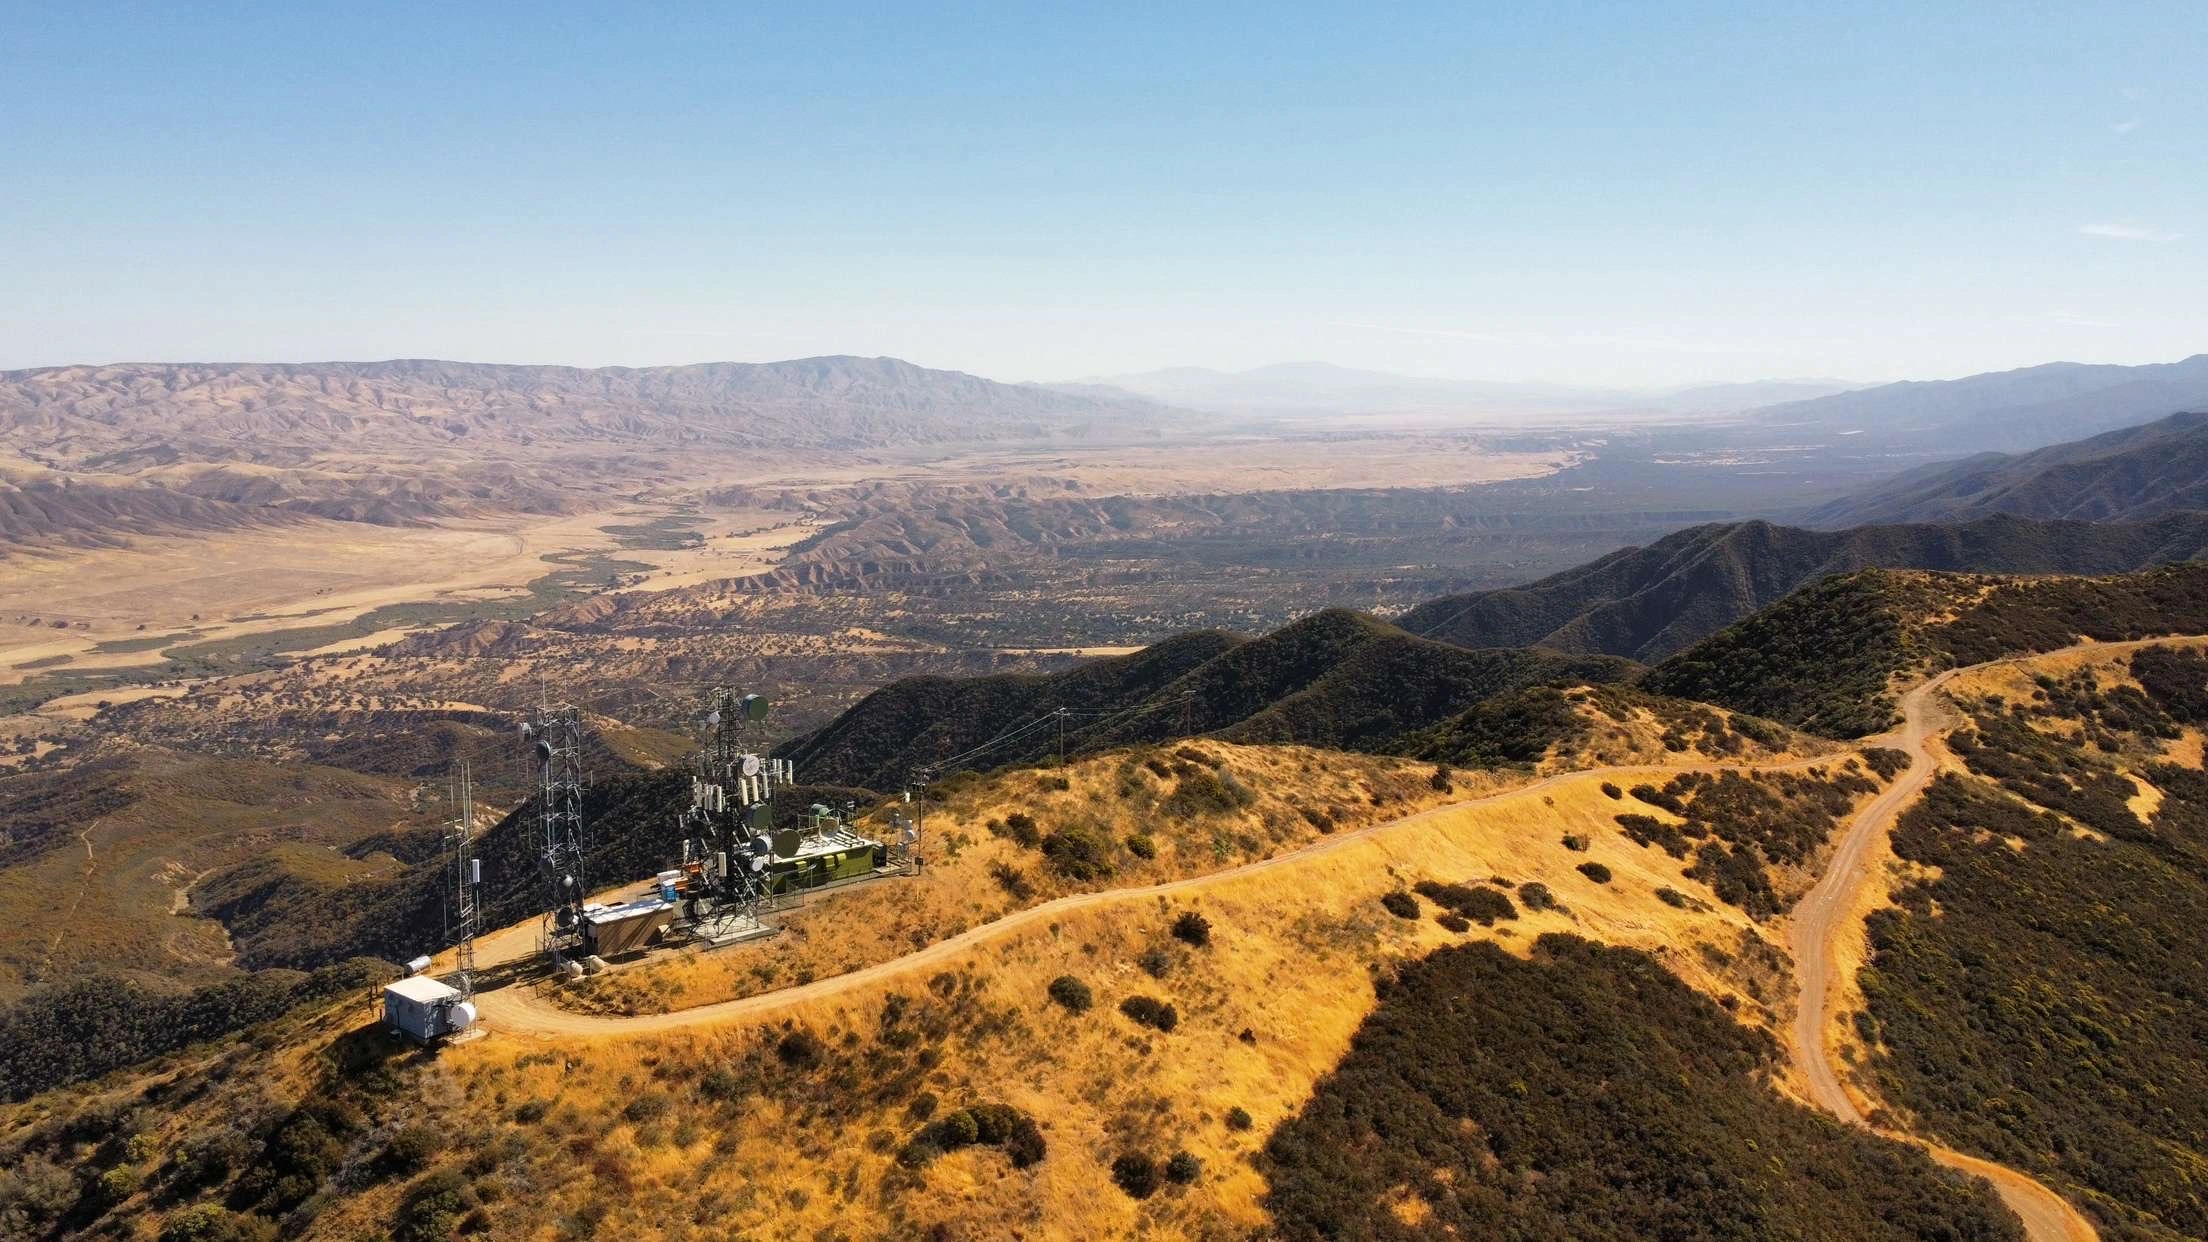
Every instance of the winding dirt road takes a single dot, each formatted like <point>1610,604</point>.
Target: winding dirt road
<point>1827,911</point>
<point>1824,913</point>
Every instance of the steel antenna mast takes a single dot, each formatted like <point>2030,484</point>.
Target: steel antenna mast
<point>557,737</point>
<point>467,876</point>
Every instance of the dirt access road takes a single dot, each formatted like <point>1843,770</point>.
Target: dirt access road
<point>1830,910</point>
<point>522,1009</point>
<point>1823,914</point>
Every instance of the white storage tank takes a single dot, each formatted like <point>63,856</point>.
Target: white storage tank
<point>425,1009</point>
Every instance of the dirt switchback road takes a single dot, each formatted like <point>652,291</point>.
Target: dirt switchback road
<point>1826,912</point>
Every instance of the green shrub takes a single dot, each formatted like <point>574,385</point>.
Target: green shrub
<point>1452,921</point>
<point>1025,1145</point>
<point>800,1049</point>
<point>1478,903</point>
<point>1012,880</point>
<point>1071,993</point>
<point>1886,761</point>
<point>1192,928</point>
<point>721,1084</point>
<point>1595,871</point>
<point>1182,1168</point>
<point>1442,781</point>
<point>1136,1174</point>
<point>1400,904</point>
<point>1141,846</point>
<point>1611,791</point>
<point>1021,827</point>
<point>1151,1012</point>
<point>433,1208</point>
<point>647,1108</point>
<point>1079,852</point>
<point>409,1149</point>
<point>210,1222</point>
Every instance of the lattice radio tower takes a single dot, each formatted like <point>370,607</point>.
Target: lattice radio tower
<point>556,739</point>
<point>467,872</point>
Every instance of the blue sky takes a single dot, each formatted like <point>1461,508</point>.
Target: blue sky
<point>1590,193</point>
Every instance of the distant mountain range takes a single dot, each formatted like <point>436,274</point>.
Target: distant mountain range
<point>1319,387</point>
<point>2130,474</point>
<point>2004,410</point>
<point>90,452</point>
<point>134,416</point>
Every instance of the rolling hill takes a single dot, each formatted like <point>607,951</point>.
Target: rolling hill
<point>1336,678</point>
<point>1826,658</point>
<point>1652,602</point>
<point>2124,475</point>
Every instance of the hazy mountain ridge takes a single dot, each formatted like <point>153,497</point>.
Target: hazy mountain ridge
<point>2128,474</point>
<point>292,411</point>
<point>1319,386</point>
<point>2006,410</point>
<point>1648,603</point>
<point>325,438</point>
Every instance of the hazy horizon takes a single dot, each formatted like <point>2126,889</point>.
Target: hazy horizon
<point>1585,196</point>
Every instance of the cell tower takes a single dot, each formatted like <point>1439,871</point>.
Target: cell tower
<point>556,740</point>
<point>467,873</point>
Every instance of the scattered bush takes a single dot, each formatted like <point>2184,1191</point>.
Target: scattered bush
<point>210,1222</point>
<point>1400,904</point>
<point>1136,1174</point>
<point>1537,896</point>
<point>1886,761</point>
<point>1182,1168</point>
<point>800,1049</point>
<point>1020,826</point>
<point>1141,846</point>
<point>721,1084</point>
<point>1012,880</point>
<point>647,1108</point>
<point>409,1149</point>
<point>1577,843</point>
<point>530,1112</point>
<point>1442,782</point>
<point>1079,852</point>
<point>1071,993</point>
<point>1238,1118</point>
<point>1452,921</point>
<point>1025,1145</point>
<point>1151,1012</point>
<point>433,1208</point>
<point>1192,928</point>
<point>1155,961</point>
<point>1595,871</point>
<point>1480,904</point>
